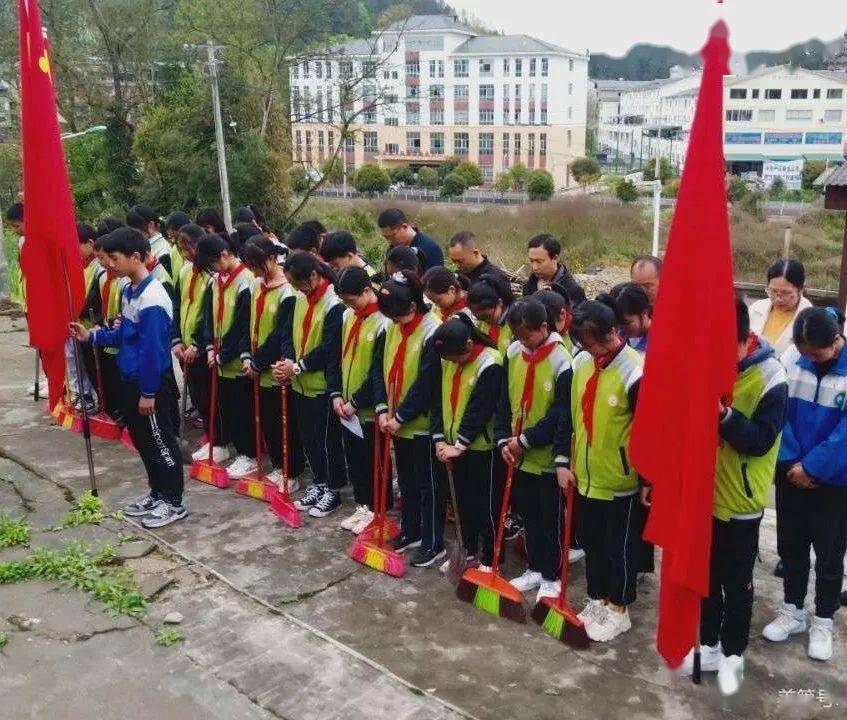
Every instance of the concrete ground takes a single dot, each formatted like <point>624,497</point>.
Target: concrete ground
<point>281,623</point>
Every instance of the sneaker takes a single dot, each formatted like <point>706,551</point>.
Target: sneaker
<point>730,674</point>
<point>274,476</point>
<point>241,467</point>
<point>164,514</point>
<point>422,558</point>
<point>327,504</point>
<point>844,598</point>
<point>485,568</point>
<point>366,520</point>
<point>609,625</point>
<point>710,658</point>
<point>470,561</point>
<point>90,405</point>
<point>402,543</point>
<point>788,621</point>
<point>351,521</point>
<point>549,588</point>
<point>528,581</point>
<point>219,454</point>
<point>592,610</point>
<point>512,527</point>
<point>309,498</point>
<point>575,555</point>
<point>820,638</point>
<point>141,506</point>
<point>779,569</point>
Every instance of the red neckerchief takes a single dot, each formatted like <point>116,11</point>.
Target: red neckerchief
<point>150,264</point>
<point>590,395</point>
<point>356,329</point>
<point>260,309</point>
<point>313,298</point>
<point>395,374</point>
<point>195,272</point>
<point>494,332</point>
<point>752,345</point>
<point>222,286</point>
<point>457,376</point>
<point>460,304</point>
<point>568,323</point>
<point>532,359</point>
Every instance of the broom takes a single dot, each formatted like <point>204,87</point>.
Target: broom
<point>556,617</point>
<point>256,484</point>
<point>371,548</point>
<point>183,408</point>
<point>208,471</point>
<point>102,425</point>
<point>458,561</point>
<point>281,504</point>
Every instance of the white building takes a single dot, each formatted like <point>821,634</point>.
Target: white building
<point>430,87</point>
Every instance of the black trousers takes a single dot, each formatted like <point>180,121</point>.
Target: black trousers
<point>478,476</point>
<point>155,438</point>
<point>359,455</point>
<point>235,405</point>
<point>320,437</point>
<point>610,532</point>
<point>423,487</point>
<point>111,385</point>
<point>271,414</point>
<point>538,500</point>
<point>725,614</point>
<point>198,377</point>
<point>805,519</point>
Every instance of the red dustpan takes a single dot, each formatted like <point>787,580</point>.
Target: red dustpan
<point>280,498</point>
<point>208,471</point>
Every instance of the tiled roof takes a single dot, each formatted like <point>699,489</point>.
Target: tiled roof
<point>421,23</point>
<point>838,177</point>
<point>500,44</point>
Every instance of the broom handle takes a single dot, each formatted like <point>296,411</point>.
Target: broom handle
<point>213,404</point>
<point>184,406</point>
<point>375,467</point>
<point>383,486</point>
<point>566,543</point>
<point>284,409</point>
<point>257,425</point>
<point>504,507</point>
<point>97,369</point>
<point>460,538</point>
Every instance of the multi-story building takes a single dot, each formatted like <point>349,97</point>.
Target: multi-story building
<point>430,87</point>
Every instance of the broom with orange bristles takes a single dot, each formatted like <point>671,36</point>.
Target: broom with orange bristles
<point>256,484</point>
<point>208,471</point>
<point>281,504</point>
<point>102,425</point>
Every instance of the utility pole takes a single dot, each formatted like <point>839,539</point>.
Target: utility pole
<point>657,185</point>
<point>212,63</point>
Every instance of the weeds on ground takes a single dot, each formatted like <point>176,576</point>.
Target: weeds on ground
<point>12,531</point>
<point>89,510</point>
<point>168,637</point>
<point>4,640</point>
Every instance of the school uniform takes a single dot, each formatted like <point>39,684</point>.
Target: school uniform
<point>409,380</point>
<point>462,415</point>
<point>749,444</point>
<point>191,287</point>
<point>815,435</point>
<point>143,341</point>
<point>499,332</point>
<point>602,402</point>
<point>536,397</point>
<point>107,308</point>
<point>160,271</point>
<point>90,274</point>
<point>161,250</point>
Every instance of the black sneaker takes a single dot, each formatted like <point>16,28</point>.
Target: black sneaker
<point>328,503</point>
<point>141,506</point>
<point>422,558</point>
<point>164,514</point>
<point>90,405</point>
<point>402,543</point>
<point>779,570</point>
<point>309,498</point>
<point>513,526</point>
<point>844,598</point>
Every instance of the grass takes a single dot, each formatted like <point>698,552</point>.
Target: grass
<point>4,640</point>
<point>89,510</point>
<point>10,248</point>
<point>168,637</point>
<point>12,531</point>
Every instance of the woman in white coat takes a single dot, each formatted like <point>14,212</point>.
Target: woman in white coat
<point>773,318</point>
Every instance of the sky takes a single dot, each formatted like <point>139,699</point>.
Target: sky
<point>613,26</point>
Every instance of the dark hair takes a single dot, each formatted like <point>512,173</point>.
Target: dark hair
<point>490,289</point>
<point>210,248</point>
<point>528,312</point>
<point>451,337</point>
<point>140,216</point>
<point>548,242</point>
<point>193,232</point>
<point>391,218</point>
<point>241,233</point>
<point>648,260</point>
<point>316,225</point>
<point>337,244</point>
<point>243,215</point>
<point>301,265</point>
<point>303,237</point>
<point>465,238</point>
<point>258,217</point>
<point>439,279</point>
<point>818,327</point>
<point>176,219</point>
<point>792,270</point>
<point>15,212</point>
<point>742,319</point>
<point>353,281</point>
<point>397,294</point>
<point>554,303</point>
<point>595,319</point>
<point>108,224</point>
<point>126,241</point>
<point>258,249</point>
<point>85,232</point>
<point>629,299</point>
<point>407,258</point>
<point>211,217</point>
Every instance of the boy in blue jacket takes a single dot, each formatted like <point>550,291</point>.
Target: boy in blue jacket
<point>148,388</point>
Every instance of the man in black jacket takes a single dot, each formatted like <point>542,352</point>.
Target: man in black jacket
<point>470,262</point>
<point>544,251</point>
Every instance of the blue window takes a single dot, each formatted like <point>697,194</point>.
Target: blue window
<point>742,138</point>
<point>783,138</point>
<point>824,138</point>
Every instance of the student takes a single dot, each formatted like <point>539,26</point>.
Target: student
<point>533,404</point>
<point>447,291</point>
<point>461,423</point>
<point>339,250</point>
<point>606,377</point>
<point>409,380</point>
<point>173,222</point>
<point>143,219</point>
<point>749,433</point>
<point>396,229</point>
<point>310,355</point>
<point>489,299</point>
<point>211,221</point>
<point>811,478</point>
<point>148,389</point>
<point>261,347</point>
<point>402,258</point>
<point>307,237</point>
<point>15,221</point>
<point>559,314</point>
<point>90,272</point>
<point>362,340</point>
<point>245,214</point>
<point>226,318</point>
<point>635,314</point>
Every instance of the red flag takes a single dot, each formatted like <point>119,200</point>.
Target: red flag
<point>691,364</point>
<point>50,259</point>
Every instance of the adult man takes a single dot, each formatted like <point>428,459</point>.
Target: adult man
<point>395,228</point>
<point>645,271</point>
<point>469,259</point>
<point>544,251</point>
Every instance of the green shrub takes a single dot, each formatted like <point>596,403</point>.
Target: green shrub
<point>470,173</point>
<point>503,183</point>
<point>520,175</point>
<point>372,179</point>
<point>585,171</point>
<point>665,170</point>
<point>811,170</point>
<point>453,185</point>
<point>333,170</point>
<point>298,179</point>
<point>737,190</point>
<point>540,185</point>
<point>671,190</point>
<point>402,174</point>
<point>626,191</point>
<point>428,178</point>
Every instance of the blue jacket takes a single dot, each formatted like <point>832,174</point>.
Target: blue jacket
<point>143,338</point>
<point>815,431</point>
<point>431,250</point>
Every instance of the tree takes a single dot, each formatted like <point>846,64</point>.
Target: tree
<point>520,175</point>
<point>470,173</point>
<point>665,170</point>
<point>10,173</point>
<point>446,167</point>
<point>393,14</point>
<point>626,191</point>
<point>777,187</point>
<point>453,185</point>
<point>503,183</point>
<point>402,174</point>
<point>88,173</point>
<point>428,178</point>
<point>298,179</point>
<point>585,171</point>
<point>540,185</point>
<point>811,170</point>
<point>372,179</point>
<point>333,171</point>
<point>737,189</point>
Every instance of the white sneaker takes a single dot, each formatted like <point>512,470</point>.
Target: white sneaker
<point>575,555</point>
<point>201,453</point>
<point>219,454</point>
<point>549,588</point>
<point>274,476</point>
<point>367,519</point>
<point>241,466</point>
<point>351,521</point>
<point>788,621</point>
<point>609,625</point>
<point>592,610</point>
<point>710,658</point>
<point>820,638</point>
<point>528,581</point>
<point>444,567</point>
<point>484,568</point>
<point>293,483</point>
<point>730,674</point>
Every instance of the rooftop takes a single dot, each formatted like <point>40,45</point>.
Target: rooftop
<point>499,44</point>
<point>425,23</point>
<point>838,177</point>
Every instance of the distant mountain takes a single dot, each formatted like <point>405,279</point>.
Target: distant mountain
<point>651,62</point>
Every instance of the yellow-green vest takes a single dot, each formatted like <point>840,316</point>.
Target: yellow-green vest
<point>230,295</point>
<point>311,383</point>
<point>190,301</point>
<point>356,365</point>
<point>267,322</point>
<point>111,306</point>
<point>743,482</point>
<point>90,276</point>
<point>505,339</point>
<point>177,261</point>
<point>470,373</point>
<point>602,468</point>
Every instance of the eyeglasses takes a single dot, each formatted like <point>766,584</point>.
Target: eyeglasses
<point>781,294</point>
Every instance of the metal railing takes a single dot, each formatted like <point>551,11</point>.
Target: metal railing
<point>473,197</point>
